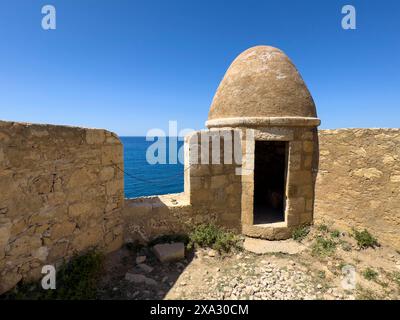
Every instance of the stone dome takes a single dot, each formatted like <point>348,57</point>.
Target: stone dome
<point>262,86</point>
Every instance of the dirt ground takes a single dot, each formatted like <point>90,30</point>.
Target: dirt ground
<point>206,274</point>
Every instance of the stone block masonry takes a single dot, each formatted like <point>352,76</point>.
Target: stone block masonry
<point>358,182</point>
<point>357,185</point>
<point>60,194</point>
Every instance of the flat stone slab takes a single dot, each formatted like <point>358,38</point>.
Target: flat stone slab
<point>145,267</point>
<point>168,252</point>
<point>260,246</point>
<point>139,278</point>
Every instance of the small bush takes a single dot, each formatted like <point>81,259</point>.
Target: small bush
<point>365,239</point>
<point>209,235</point>
<point>323,228</point>
<point>323,247</point>
<point>76,280</point>
<point>300,233</point>
<point>370,274</point>
<point>335,234</point>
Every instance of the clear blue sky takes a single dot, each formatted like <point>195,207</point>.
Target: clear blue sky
<point>129,66</point>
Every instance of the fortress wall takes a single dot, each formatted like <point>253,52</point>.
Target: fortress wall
<point>146,218</point>
<point>358,183</point>
<point>60,194</point>
<point>212,194</point>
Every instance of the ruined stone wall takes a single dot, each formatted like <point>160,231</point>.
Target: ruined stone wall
<point>60,194</point>
<point>358,183</point>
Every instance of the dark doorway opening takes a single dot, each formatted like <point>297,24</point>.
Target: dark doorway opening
<point>270,165</point>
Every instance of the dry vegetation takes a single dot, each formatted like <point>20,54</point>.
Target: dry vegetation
<point>217,268</point>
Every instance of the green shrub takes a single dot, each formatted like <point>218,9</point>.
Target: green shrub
<point>300,233</point>
<point>370,274</point>
<point>76,280</point>
<point>209,235</point>
<point>335,234</point>
<point>323,228</point>
<point>365,239</point>
<point>323,247</point>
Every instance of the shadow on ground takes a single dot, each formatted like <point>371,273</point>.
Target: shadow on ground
<point>160,277</point>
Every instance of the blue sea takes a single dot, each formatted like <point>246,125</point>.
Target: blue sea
<point>144,179</point>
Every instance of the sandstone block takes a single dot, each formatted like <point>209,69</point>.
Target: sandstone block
<point>5,233</point>
<point>139,278</point>
<point>113,187</point>
<point>197,183</point>
<point>308,146</point>
<point>199,170</point>
<point>24,245</point>
<point>87,239</point>
<point>57,251</point>
<point>307,162</point>
<point>107,173</point>
<point>62,230</point>
<point>368,173</point>
<point>41,253</point>
<point>296,146</point>
<point>79,209</point>
<point>168,252</point>
<point>81,177</point>
<point>307,135</point>
<point>295,161</point>
<point>219,181</point>
<point>95,136</point>
<point>309,204</point>
<point>306,217</point>
<point>146,268</point>
<point>140,259</point>
<point>296,205</point>
<point>115,244</point>
<point>112,155</point>
<point>395,178</point>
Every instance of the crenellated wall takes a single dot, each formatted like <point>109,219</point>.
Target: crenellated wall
<point>358,182</point>
<point>60,194</point>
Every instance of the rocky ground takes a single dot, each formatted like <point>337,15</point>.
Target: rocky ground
<point>289,270</point>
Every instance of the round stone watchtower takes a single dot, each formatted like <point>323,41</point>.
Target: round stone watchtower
<point>263,96</point>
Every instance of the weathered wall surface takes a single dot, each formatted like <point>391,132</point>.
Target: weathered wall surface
<point>148,217</point>
<point>212,194</point>
<point>213,186</point>
<point>358,185</point>
<point>358,182</point>
<point>60,194</point>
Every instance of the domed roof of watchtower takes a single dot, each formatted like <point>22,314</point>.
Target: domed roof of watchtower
<point>261,83</point>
